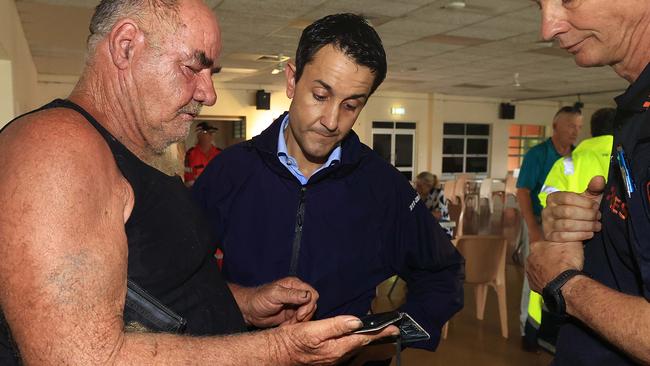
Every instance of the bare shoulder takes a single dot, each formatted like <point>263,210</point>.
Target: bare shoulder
<point>62,237</point>
<point>52,133</point>
<point>56,145</point>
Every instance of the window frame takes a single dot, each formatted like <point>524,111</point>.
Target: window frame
<point>395,128</point>
<point>523,147</point>
<point>465,155</point>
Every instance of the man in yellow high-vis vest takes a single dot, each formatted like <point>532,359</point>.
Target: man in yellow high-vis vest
<point>573,173</point>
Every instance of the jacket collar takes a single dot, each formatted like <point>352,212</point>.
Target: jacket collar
<point>637,96</point>
<point>267,143</point>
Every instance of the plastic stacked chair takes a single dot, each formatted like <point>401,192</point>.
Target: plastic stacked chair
<point>449,187</point>
<point>485,192</point>
<point>485,266</point>
<point>511,189</point>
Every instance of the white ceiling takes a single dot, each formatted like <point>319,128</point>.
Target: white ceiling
<point>473,51</point>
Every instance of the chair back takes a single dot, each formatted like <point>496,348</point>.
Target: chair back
<point>469,176</point>
<point>449,188</point>
<point>485,191</point>
<point>485,258</point>
<point>511,185</point>
<point>459,188</point>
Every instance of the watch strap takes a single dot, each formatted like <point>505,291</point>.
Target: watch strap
<point>555,287</point>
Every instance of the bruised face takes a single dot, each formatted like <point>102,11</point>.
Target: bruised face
<point>326,102</point>
<point>172,77</point>
<point>596,32</point>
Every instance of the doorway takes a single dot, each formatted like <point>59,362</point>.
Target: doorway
<point>395,142</point>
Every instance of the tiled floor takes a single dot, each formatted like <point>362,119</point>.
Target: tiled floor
<point>472,341</point>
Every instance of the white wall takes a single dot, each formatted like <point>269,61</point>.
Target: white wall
<point>428,111</point>
<point>50,87</point>
<point>416,106</point>
<point>23,71</point>
<point>239,100</point>
<point>6,92</point>
<point>484,110</point>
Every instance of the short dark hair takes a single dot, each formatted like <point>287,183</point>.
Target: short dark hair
<point>602,122</point>
<point>568,110</point>
<point>351,34</point>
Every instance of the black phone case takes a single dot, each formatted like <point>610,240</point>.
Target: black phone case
<point>378,321</point>
<point>410,330</point>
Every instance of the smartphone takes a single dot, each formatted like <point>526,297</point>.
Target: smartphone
<point>378,321</point>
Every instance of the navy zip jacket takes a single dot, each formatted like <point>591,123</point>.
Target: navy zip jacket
<point>352,226</point>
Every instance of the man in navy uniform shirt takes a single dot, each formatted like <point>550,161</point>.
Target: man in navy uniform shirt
<point>595,267</point>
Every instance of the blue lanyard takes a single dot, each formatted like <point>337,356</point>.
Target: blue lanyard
<point>625,171</point>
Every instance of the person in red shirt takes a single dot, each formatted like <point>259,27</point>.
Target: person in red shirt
<point>198,157</point>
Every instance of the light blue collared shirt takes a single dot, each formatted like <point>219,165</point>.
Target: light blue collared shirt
<point>291,163</point>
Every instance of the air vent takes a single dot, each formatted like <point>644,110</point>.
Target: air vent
<point>472,86</point>
<point>532,90</point>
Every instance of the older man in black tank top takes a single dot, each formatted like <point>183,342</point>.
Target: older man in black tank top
<point>82,211</point>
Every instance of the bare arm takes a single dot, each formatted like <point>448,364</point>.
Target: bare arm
<point>568,219</point>
<point>63,272</point>
<point>324,342</point>
<point>628,327</point>
<point>526,208</point>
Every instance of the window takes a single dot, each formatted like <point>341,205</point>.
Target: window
<point>239,129</point>
<point>465,148</point>
<point>395,142</point>
<point>521,139</point>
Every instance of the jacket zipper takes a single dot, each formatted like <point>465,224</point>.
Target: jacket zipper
<point>300,216</point>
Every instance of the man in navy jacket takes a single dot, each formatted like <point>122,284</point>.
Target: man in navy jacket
<point>307,198</point>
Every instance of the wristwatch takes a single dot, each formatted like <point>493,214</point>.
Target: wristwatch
<point>552,293</point>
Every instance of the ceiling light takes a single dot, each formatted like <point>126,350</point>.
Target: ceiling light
<point>398,111</point>
<point>455,5</point>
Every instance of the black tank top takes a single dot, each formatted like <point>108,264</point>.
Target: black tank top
<point>171,248</point>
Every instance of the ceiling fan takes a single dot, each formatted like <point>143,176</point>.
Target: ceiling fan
<point>515,82</point>
<point>464,5</point>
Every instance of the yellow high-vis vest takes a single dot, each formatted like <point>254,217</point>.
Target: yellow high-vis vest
<point>572,174</point>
